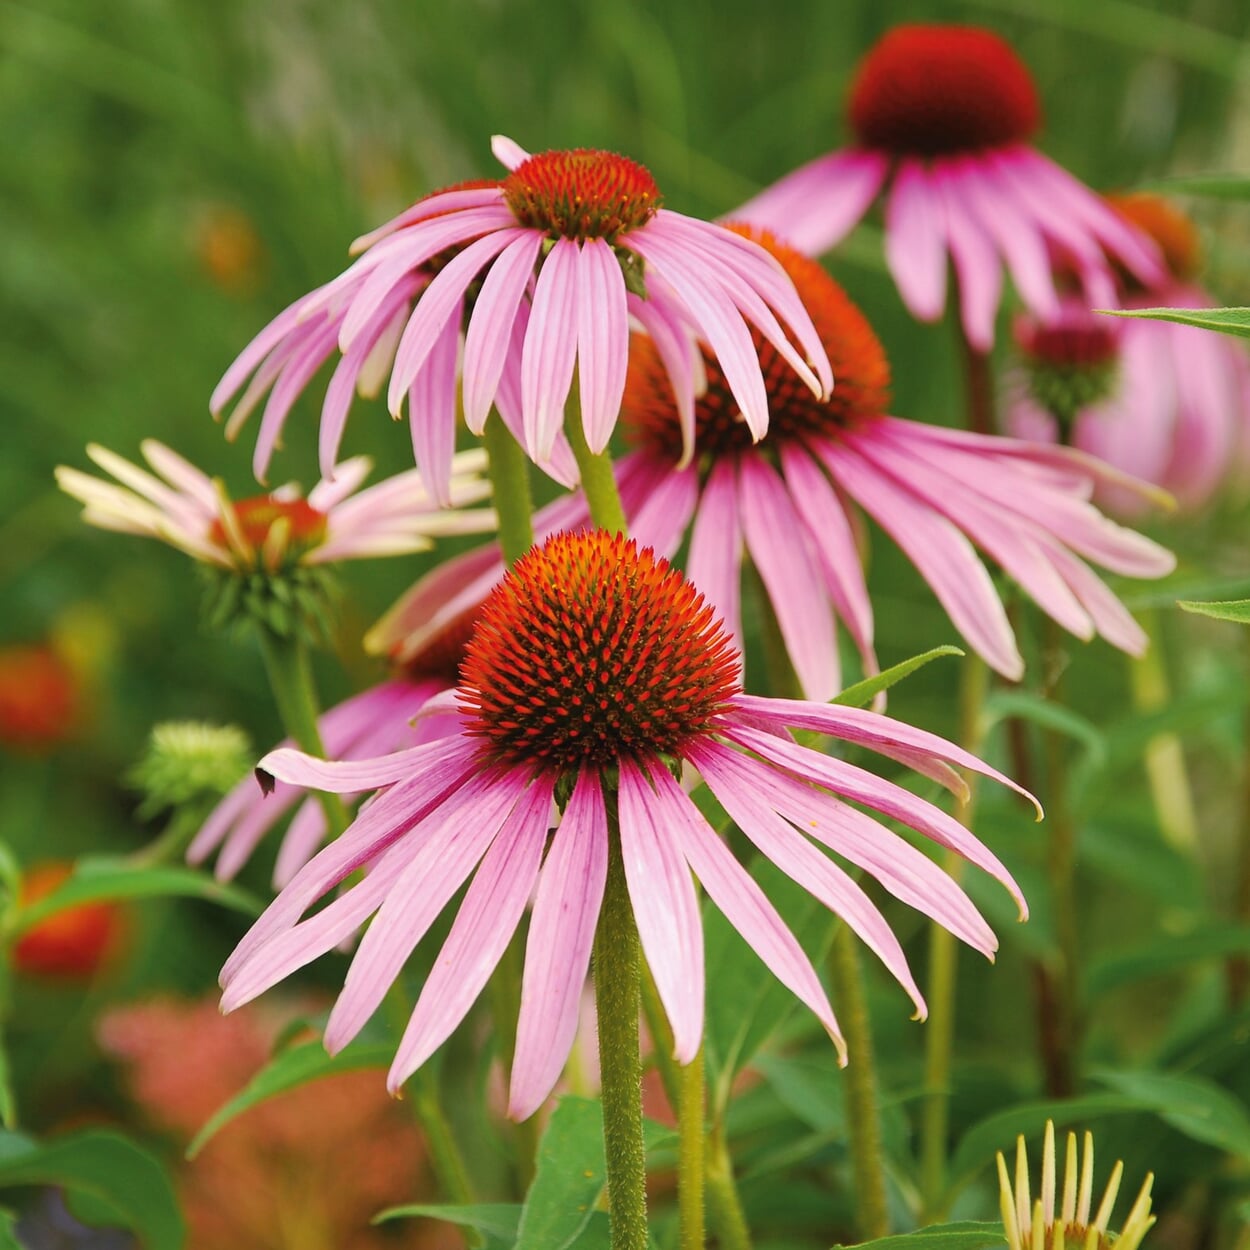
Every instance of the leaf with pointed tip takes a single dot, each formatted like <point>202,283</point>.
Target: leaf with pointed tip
<point>1215,185</point>
<point>863,692</point>
<point>1236,610</point>
<point>963,1235</point>
<point>1234,321</point>
<point>496,1221</point>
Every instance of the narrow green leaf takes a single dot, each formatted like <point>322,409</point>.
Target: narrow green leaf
<point>120,1179</point>
<point>288,1070</point>
<point>1236,610</point>
<point>863,692</point>
<point>496,1220</point>
<point>1216,185</point>
<point>1158,957</point>
<point>999,1131</point>
<point>570,1176</point>
<point>8,1232</point>
<point>8,1102</point>
<point>1226,320</point>
<point>964,1235</point>
<point>104,879</point>
<point>1192,1105</point>
<point>1005,704</point>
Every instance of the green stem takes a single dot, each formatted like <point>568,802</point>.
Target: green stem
<point>979,388</point>
<point>291,680</point>
<point>1165,756</point>
<point>724,1205</point>
<point>943,965</point>
<point>690,1165</point>
<point>863,1120</point>
<point>617,963</point>
<point>1238,970</point>
<point>509,470</point>
<point>598,480</point>
<point>505,1002</point>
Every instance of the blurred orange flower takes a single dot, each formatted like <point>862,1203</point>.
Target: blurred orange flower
<point>74,943</point>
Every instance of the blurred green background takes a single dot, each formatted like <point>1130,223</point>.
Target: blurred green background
<point>176,172</point>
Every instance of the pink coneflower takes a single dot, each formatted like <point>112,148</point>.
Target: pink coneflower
<point>935,491</point>
<point>1167,403</point>
<point>595,671</point>
<point>509,287</point>
<point>187,509</point>
<point>384,718</point>
<point>942,116</point>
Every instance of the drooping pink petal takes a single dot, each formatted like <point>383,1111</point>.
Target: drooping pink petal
<point>742,790</point>
<point>915,243</point>
<point>303,836</point>
<point>439,204</point>
<point>1111,618</point>
<point>602,340</point>
<point>743,903</point>
<point>817,204</point>
<point>550,349</point>
<point>658,501</point>
<point>487,918</point>
<point>773,533</point>
<point>432,410</point>
<point>250,358</point>
<point>941,554</point>
<point>665,906</point>
<point>977,265</point>
<point>884,796</point>
<point>448,847</point>
<point>489,338</point>
<point>557,952</point>
<point>715,563</point>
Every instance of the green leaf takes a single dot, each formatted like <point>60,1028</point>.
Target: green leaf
<point>1237,610</point>
<point>1158,957</point>
<point>863,692</point>
<point>495,1220</point>
<point>1217,186</point>
<point>292,1068</point>
<point>999,1131</point>
<point>570,1176</point>
<point>964,1235</point>
<point>1192,1105</point>
<point>1226,320</point>
<point>1008,704</point>
<point>119,1178</point>
<point>8,1232</point>
<point>104,879</point>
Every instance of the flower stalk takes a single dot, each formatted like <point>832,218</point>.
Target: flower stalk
<point>509,472</point>
<point>617,961</point>
<point>597,479</point>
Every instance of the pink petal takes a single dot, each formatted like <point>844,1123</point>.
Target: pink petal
<point>715,563</point>
<point>508,152</point>
<point>976,263</point>
<point>432,410</point>
<point>254,353</point>
<point>487,918</point>
<point>679,354</point>
<point>602,340</point>
<point>665,907</point>
<point>819,203</point>
<point>744,904</point>
<point>773,533</point>
<point>296,374</point>
<point>437,205</point>
<point>557,952</point>
<point>741,784</point>
<point>550,349</point>
<point>915,246</point>
<point>489,338</point>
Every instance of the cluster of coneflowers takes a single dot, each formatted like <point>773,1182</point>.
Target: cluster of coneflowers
<point>559,699</point>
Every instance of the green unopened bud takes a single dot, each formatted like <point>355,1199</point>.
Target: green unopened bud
<point>1070,366</point>
<point>189,762</point>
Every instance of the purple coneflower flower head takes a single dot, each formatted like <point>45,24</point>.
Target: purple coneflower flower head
<point>509,288</point>
<point>595,672</point>
<point>184,507</point>
<point>1167,403</point>
<point>942,116</point>
<point>786,503</point>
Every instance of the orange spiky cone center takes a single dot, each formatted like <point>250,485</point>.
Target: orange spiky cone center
<point>582,194</point>
<point>591,650</point>
<point>860,369</point>
<point>928,90</point>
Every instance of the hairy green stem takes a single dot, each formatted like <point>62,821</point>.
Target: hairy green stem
<point>509,470</point>
<point>690,1165</point>
<point>943,965</point>
<point>617,967</point>
<point>863,1118</point>
<point>724,1205</point>
<point>598,481</point>
<point>291,680</point>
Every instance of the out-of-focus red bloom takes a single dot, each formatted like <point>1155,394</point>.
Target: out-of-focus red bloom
<point>74,943</point>
<point>229,250</point>
<point>39,699</point>
<point>310,1167</point>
